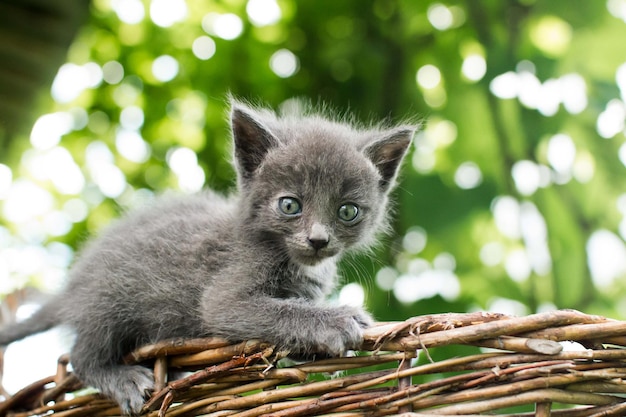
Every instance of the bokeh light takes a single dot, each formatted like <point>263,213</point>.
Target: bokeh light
<point>129,11</point>
<point>165,68</point>
<point>428,76</point>
<point>468,175</point>
<point>112,72</point>
<point>204,47</point>
<point>184,162</point>
<point>263,12</point>
<point>284,63</point>
<point>165,13</point>
<point>227,26</point>
<point>352,294</point>
<point>562,154</point>
<point>606,257</point>
<point>474,67</point>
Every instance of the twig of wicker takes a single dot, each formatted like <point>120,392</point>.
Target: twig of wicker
<point>524,365</point>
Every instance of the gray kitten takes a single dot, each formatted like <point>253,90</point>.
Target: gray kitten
<point>255,265</point>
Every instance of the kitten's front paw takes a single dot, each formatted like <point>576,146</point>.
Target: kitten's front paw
<point>344,331</point>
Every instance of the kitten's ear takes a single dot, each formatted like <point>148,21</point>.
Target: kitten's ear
<point>252,139</point>
<point>387,153</point>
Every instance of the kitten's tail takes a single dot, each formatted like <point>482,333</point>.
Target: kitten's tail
<point>43,319</point>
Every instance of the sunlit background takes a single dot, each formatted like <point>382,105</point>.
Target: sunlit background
<point>513,198</point>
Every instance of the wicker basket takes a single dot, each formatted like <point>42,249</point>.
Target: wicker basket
<point>524,365</point>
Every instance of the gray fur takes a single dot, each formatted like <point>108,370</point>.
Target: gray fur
<point>236,267</point>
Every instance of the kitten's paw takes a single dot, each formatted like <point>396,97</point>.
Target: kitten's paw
<point>133,386</point>
<point>355,320</point>
<point>363,318</point>
<point>343,331</point>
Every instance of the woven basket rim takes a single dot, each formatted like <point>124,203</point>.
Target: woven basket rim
<point>525,364</point>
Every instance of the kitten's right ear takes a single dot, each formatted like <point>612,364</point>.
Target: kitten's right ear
<point>252,140</point>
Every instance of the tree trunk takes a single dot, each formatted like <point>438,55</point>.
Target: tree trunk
<point>34,39</point>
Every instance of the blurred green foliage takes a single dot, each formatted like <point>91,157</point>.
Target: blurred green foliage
<point>513,198</point>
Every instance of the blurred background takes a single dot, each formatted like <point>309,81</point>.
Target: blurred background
<point>513,198</point>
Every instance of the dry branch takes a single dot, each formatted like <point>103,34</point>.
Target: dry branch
<point>525,366</point>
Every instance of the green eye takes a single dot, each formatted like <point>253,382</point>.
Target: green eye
<point>289,206</point>
<point>348,212</point>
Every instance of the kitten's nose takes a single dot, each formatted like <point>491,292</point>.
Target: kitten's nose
<point>318,244</point>
<point>318,237</point>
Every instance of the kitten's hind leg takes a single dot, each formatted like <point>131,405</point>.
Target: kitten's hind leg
<point>128,385</point>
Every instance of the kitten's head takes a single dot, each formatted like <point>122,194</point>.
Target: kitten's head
<point>311,187</point>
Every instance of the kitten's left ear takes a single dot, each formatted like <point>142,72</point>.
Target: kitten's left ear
<point>387,153</point>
